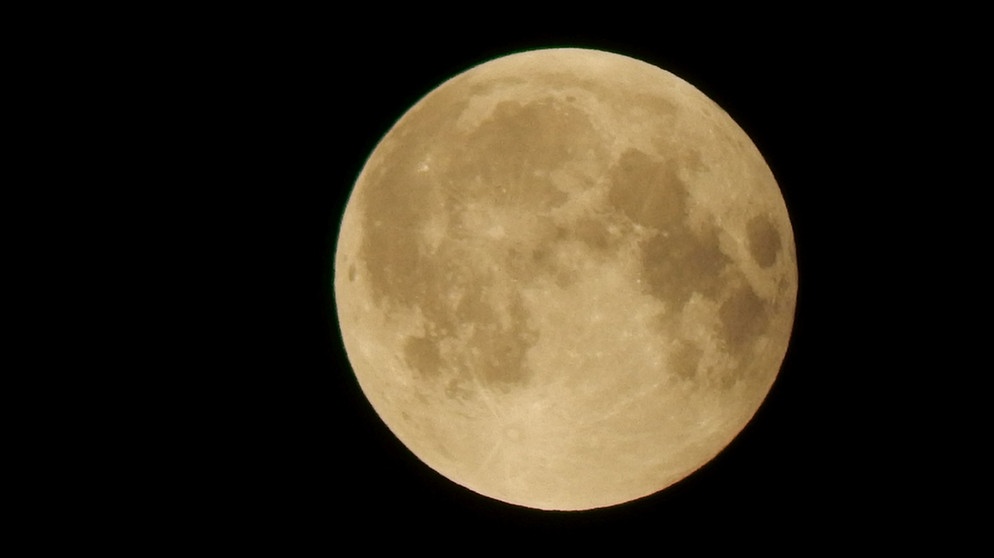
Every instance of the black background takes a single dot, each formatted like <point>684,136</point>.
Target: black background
<point>263,122</point>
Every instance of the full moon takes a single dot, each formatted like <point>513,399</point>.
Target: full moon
<point>565,279</point>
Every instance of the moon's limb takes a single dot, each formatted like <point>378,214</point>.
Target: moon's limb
<point>566,279</point>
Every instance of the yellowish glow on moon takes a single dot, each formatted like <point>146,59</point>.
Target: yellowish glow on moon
<point>565,279</point>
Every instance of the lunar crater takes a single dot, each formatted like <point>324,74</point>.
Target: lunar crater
<point>764,240</point>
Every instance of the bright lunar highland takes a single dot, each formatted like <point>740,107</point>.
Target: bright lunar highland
<point>565,279</point>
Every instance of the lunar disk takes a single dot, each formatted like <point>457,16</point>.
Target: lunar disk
<point>565,279</point>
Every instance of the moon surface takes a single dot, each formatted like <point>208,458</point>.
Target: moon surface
<point>565,279</point>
